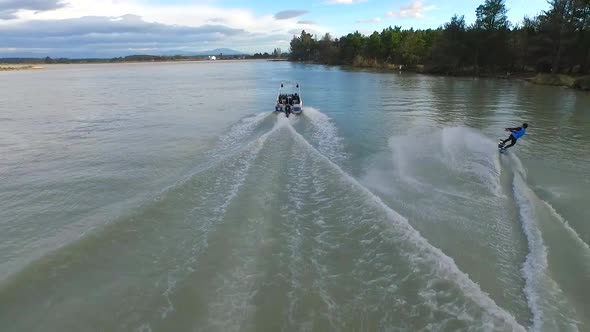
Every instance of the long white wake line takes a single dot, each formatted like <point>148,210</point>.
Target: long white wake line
<point>536,260</point>
<point>568,227</point>
<point>243,315</point>
<point>330,144</point>
<point>470,288</point>
<point>257,146</point>
<point>536,263</point>
<point>216,161</point>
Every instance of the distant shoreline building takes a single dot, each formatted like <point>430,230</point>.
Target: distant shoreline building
<point>212,57</point>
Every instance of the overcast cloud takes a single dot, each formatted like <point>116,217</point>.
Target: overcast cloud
<point>109,28</point>
<point>118,36</point>
<point>286,14</point>
<point>9,8</point>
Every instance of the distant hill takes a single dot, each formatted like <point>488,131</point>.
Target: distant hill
<point>75,55</point>
<point>217,51</point>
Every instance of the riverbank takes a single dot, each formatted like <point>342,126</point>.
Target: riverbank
<point>569,81</point>
<point>580,83</point>
<point>13,67</point>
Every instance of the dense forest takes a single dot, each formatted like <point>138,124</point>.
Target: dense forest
<point>555,41</point>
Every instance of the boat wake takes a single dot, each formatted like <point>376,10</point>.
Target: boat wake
<point>548,303</point>
<point>444,168</point>
<point>269,232</point>
<point>423,252</point>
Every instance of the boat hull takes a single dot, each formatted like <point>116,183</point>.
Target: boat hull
<point>295,109</point>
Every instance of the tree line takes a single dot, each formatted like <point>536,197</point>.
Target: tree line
<point>557,41</point>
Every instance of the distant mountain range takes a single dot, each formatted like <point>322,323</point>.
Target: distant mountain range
<point>75,55</point>
<point>217,51</point>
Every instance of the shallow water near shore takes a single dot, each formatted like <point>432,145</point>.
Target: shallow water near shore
<point>168,197</point>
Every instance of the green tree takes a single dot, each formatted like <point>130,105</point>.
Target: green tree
<point>374,48</point>
<point>491,15</point>
<point>328,50</point>
<point>391,39</point>
<point>302,47</point>
<point>564,28</point>
<point>490,35</point>
<point>352,46</point>
<point>557,40</point>
<point>449,49</point>
<point>412,49</point>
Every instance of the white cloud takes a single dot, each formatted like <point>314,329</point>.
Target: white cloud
<point>343,2</point>
<point>414,9</point>
<point>371,20</point>
<point>111,36</point>
<point>186,14</point>
<point>198,26</point>
<point>10,8</point>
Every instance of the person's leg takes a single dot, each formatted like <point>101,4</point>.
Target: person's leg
<point>512,141</point>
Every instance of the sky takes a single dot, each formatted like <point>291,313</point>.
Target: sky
<point>110,28</point>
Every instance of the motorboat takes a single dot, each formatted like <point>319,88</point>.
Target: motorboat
<point>289,99</point>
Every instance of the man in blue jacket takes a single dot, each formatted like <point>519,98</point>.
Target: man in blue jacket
<point>517,133</point>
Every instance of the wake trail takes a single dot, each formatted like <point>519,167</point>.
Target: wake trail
<point>572,232</point>
<point>330,144</point>
<point>443,264</point>
<point>208,219</point>
<point>228,146</point>
<point>164,238</point>
<point>543,294</point>
<point>236,305</point>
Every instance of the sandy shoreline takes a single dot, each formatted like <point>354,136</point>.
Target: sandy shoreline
<point>19,67</point>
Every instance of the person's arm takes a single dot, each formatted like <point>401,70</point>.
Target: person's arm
<point>513,129</point>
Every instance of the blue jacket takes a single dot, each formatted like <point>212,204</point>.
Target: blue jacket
<point>519,133</point>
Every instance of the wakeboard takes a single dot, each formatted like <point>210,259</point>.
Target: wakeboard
<point>501,147</point>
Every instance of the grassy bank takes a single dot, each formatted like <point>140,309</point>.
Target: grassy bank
<point>581,82</point>
<point>574,82</point>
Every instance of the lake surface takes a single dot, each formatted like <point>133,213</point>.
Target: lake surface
<point>168,197</point>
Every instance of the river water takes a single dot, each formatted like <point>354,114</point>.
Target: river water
<point>168,197</point>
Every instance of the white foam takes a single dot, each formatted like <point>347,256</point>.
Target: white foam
<point>326,134</point>
<point>241,174</point>
<point>475,153</point>
<point>227,147</point>
<point>519,168</point>
<point>232,307</point>
<point>169,289</point>
<point>544,296</point>
<point>145,327</point>
<point>238,132</point>
<point>443,264</point>
<point>458,149</point>
<point>536,260</point>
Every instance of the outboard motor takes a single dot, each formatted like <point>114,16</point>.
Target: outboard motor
<point>287,110</point>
